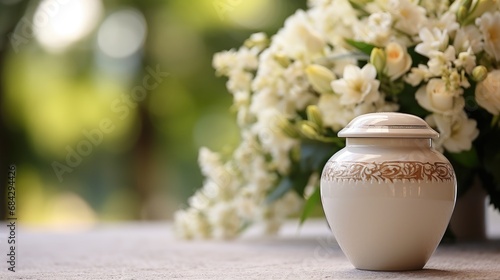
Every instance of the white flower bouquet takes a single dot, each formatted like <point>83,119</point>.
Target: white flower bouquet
<point>293,92</point>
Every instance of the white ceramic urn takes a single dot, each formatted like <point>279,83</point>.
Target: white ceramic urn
<point>388,195</point>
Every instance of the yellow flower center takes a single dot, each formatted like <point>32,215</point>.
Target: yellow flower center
<point>493,34</point>
<point>393,54</point>
<point>405,13</point>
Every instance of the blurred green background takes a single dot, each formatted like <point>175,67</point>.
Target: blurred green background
<point>95,136</point>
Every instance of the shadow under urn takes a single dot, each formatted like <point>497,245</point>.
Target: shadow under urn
<point>388,195</point>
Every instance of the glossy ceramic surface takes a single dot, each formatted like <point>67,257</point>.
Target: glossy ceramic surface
<point>388,198</point>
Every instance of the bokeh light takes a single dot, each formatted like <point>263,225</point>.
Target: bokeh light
<point>122,33</point>
<point>254,14</point>
<point>60,23</point>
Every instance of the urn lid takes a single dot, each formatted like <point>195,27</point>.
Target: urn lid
<point>388,125</point>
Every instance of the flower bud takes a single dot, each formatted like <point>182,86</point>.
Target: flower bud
<point>360,3</point>
<point>288,128</point>
<point>397,60</point>
<point>314,115</point>
<point>309,130</point>
<point>466,4</point>
<point>377,58</point>
<point>282,60</point>
<point>462,13</point>
<point>320,78</point>
<point>479,73</point>
<point>481,7</point>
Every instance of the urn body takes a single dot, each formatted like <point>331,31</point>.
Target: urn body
<point>388,195</point>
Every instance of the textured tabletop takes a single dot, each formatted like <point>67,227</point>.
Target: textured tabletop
<point>150,251</point>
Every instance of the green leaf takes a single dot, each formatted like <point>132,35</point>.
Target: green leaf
<point>494,121</point>
<point>301,180</point>
<point>353,55</point>
<point>360,8</point>
<point>296,181</point>
<point>315,154</point>
<point>467,159</point>
<point>310,204</point>
<point>361,46</point>
<point>283,187</point>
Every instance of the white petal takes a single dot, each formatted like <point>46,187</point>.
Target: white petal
<point>369,72</point>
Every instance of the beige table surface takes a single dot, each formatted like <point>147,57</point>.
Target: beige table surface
<point>150,251</point>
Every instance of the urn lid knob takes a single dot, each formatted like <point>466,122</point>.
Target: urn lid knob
<point>388,125</point>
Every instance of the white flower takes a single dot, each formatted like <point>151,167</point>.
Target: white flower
<point>437,98</point>
<point>241,102</point>
<point>466,38</point>
<point>298,92</point>
<point>227,61</point>
<point>380,25</point>
<point>248,150</point>
<point>376,29</point>
<point>357,85</point>
<point>488,92</point>
<point>466,60</point>
<point>239,81</point>
<point>440,62</point>
<point>191,224</point>
<point>265,99</point>
<point>210,161</point>
<point>456,132</point>
<point>276,87</point>
<point>334,114</point>
<point>255,170</point>
<point>337,116</point>
<point>335,22</point>
<point>432,40</point>
<point>257,40</point>
<point>447,21</point>
<point>456,80</point>
<point>273,139</point>
<point>489,24</point>
<point>235,65</point>
<point>398,61</point>
<point>410,17</point>
<point>298,38</point>
<point>199,201</point>
<point>247,204</point>
<point>224,219</point>
<point>220,182</point>
<point>224,61</point>
<point>418,74</point>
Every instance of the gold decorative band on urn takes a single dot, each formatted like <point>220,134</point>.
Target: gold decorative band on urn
<point>388,171</point>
